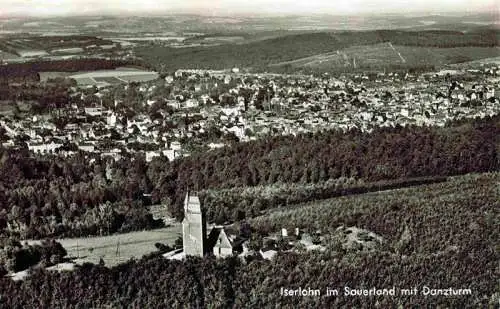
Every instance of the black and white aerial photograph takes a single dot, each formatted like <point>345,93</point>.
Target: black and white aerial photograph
<point>224,154</point>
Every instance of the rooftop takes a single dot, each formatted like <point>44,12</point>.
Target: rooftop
<point>193,204</point>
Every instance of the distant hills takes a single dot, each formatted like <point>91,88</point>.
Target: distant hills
<point>257,23</point>
<point>444,46</point>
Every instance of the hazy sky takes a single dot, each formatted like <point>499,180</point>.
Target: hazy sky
<point>226,7</point>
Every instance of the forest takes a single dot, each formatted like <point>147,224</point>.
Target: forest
<point>87,195</point>
<point>451,243</point>
<point>47,96</point>
<point>15,256</point>
<point>28,71</point>
<point>398,153</point>
<point>258,55</point>
<point>48,42</point>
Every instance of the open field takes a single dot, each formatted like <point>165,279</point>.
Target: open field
<point>7,56</point>
<point>116,249</point>
<point>27,46</point>
<point>108,79</point>
<point>377,54</point>
<point>386,54</point>
<point>74,50</point>
<point>44,76</point>
<point>106,76</point>
<point>492,60</point>
<point>440,56</point>
<point>99,77</point>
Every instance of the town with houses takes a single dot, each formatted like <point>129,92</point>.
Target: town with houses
<point>178,154</point>
<point>207,109</point>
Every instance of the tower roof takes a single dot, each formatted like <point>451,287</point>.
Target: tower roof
<point>192,204</point>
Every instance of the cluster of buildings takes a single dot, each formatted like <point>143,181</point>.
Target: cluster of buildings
<point>224,241</point>
<point>199,110</point>
<point>199,239</point>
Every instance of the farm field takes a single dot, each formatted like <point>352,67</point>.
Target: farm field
<point>74,50</point>
<point>116,249</point>
<point>137,78</point>
<point>386,54</point>
<point>377,54</point>
<point>110,80</point>
<point>112,73</point>
<point>86,81</point>
<point>495,60</point>
<point>439,56</point>
<point>26,46</point>
<point>44,76</point>
<point>7,56</point>
<point>113,76</point>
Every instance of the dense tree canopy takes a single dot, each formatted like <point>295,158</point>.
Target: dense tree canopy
<point>87,195</point>
<point>260,54</point>
<point>28,71</point>
<point>452,244</point>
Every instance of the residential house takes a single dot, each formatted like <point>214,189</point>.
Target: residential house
<point>225,242</point>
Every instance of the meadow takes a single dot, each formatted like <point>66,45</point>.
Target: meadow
<point>119,248</point>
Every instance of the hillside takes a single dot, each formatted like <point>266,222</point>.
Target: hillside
<point>31,187</point>
<point>440,236</point>
<point>386,55</point>
<point>437,215</point>
<point>263,53</point>
<point>29,71</point>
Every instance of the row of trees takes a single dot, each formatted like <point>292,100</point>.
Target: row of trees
<point>235,204</point>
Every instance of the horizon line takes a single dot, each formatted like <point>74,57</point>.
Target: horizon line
<point>255,15</point>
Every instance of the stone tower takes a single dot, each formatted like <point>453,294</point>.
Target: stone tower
<point>194,228</point>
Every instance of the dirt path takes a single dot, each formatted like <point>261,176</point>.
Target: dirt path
<point>399,54</point>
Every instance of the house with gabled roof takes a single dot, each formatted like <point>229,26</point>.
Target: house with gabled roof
<point>225,242</point>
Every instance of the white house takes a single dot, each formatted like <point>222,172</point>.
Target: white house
<point>43,148</point>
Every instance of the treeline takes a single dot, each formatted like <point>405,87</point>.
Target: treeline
<point>54,42</point>
<point>384,154</point>
<point>259,55</point>
<point>53,196</point>
<point>194,283</point>
<point>401,69</point>
<point>436,217</point>
<point>87,195</point>
<point>50,42</point>
<point>15,256</point>
<point>28,71</point>
<point>441,38</point>
<point>44,96</point>
<point>451,243</point>
<point>237,203</point>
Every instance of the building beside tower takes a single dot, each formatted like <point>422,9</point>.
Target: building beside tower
<point>196,241</point>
